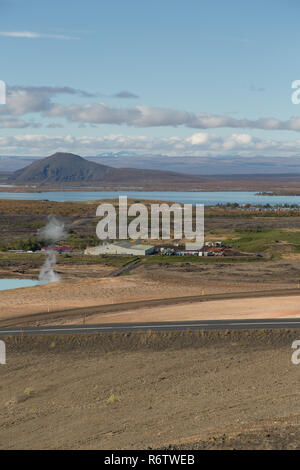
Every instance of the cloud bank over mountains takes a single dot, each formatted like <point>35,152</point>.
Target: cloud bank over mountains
<point>43,108</point>
<point>198,144</point>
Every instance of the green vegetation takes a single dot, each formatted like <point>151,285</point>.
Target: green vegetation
<point>7,256</point>
<point>80,242</point>
<point>23,218</point>
<point>76,241</point>
<point>29,391</point>
<point>259,240</point>
<point>254,241</point>
<point>26,244</point>
<point>112,399</point>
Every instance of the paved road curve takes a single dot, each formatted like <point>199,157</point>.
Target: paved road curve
<point>290,323</point>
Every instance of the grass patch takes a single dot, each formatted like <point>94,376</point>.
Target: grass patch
<point>112,399</point>
<point>29,391</point>
<point>258,240</point>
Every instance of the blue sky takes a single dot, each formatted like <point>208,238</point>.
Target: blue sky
<point>175,77</point>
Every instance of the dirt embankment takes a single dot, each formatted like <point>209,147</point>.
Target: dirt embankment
<point>88,286</point>
<point>172,390</point>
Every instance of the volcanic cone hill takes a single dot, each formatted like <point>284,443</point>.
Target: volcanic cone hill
<point>67,167</point>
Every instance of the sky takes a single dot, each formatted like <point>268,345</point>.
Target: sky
<point>172,77</point>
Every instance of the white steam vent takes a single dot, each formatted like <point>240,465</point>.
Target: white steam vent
<point>51,233</point>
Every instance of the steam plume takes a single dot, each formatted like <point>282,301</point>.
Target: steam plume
<point>47,272</point>
<point>51,233</point>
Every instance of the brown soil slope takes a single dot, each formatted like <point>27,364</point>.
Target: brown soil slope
<point>150,390</point>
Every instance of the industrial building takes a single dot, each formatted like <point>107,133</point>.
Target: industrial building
<point>122,247</point>
<point>59,249</point>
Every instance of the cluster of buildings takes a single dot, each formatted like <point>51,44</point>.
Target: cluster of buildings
<point>209,249</point>
<point>124,247</point>
<point>57,248</point>
<point>259,207</point>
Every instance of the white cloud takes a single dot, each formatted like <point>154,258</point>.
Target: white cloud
<point>18,124</point>
<point>41,101</point>
<point>146,116</point>
<point>198,144</point>
<point>24,100</point>
<point>34,35</point>
<point>198,139</point>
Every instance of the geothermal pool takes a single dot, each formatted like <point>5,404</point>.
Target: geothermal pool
<point>6,284</point>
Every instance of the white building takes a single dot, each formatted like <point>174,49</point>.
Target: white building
<point>122,247</point>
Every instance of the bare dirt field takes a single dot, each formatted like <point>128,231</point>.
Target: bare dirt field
<point>239,309</point>
<point>86,286</point>
<point>224,276</point>
<point>173,390</point>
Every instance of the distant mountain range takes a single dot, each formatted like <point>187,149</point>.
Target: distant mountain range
<point>70,168</point>
<point>234,165</point>
<point>228,165</point>
<point>127,154</point>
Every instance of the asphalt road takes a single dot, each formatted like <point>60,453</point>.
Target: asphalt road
<point>290,323</point>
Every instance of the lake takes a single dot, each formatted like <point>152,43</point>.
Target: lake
<point>208,198</point>
<point>6,284</point>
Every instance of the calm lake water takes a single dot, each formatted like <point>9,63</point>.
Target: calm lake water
<point>6,284</point>
<point>206,198</point>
